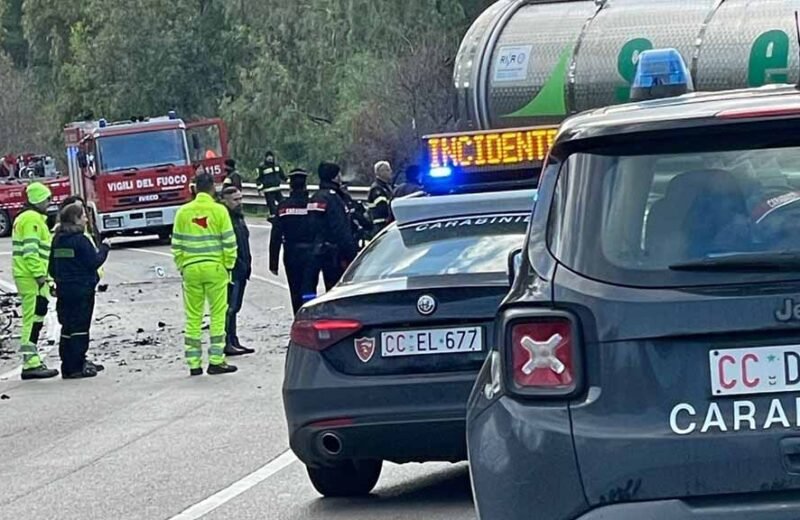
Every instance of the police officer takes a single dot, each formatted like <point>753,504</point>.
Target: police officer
<point>296,232</point>
<point>380,196</point>
<point>204,248</point>
<point>232,175</point>
<point>335,247</point>
<point>411,184</point>
<point>30,245</point>
<point>270,176</point>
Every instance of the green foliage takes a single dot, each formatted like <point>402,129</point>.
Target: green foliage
<point>348,80</point>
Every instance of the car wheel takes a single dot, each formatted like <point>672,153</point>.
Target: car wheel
<point>348,479</point>
<point>165,237</point>
<point>5,223</point>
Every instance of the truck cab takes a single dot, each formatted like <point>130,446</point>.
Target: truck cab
<point>135,174</point>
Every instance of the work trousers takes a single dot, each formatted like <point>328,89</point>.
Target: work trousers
<point>34,310</point>
<point>75,307</point>
<point>205,282</point>
<point>273,198</point>
<point>235,299</point>
<point>332,269</point>
<point>297,260</point>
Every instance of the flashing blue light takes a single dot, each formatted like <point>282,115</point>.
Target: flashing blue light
<point>172,114</point>
<point>441,172</point>
<point>103,123</point>
<point>661,73</point>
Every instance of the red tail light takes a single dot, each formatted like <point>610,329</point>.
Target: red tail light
<point>543,357</point>
<point>321,334</point>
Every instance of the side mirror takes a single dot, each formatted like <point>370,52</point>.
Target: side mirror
<point>514,265</point>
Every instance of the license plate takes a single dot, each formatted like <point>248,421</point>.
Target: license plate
<point>431,341</point>
<point>762,370</point>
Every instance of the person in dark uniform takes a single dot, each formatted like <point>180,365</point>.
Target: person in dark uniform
<point>240,275</point>
<point>379,198</point>
<point>294,229</point>
<point>232,175</point>
<point>411,184</point>
<point>335,247</point>
<point>270,176</point>
<point>74,264</point>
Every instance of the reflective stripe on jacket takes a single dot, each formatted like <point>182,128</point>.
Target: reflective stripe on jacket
<point>203,232</point>
<point>30,245</point>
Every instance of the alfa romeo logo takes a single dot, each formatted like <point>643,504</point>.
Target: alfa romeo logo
<point>426,305</point>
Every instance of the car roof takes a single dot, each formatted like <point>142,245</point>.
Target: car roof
<point>408,210</point>
<point>688,110</point>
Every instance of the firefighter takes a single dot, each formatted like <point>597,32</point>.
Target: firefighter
<point>232,175</point>
<point>232,199</point>
<point>335,247</point>
<point>74,265</point>
<point>204,248</point>
<point>30,239</point>
<point>380,196</point>
<point>270,176</point>
<point>360,222</point>
<point>412,183</point>
<point>294,229</point>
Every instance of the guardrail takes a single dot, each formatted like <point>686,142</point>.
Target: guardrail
<point>251,196</point>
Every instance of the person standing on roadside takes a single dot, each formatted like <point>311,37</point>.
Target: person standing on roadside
<point>411,184</point>
<point>30,246</point>
<point>270,176</point>
<point>232,199</point>
<point>232,175</point>
<point>74,265</point>
<point>380,197</point>
<point>204,249</point>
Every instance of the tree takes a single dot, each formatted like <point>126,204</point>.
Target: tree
<point>23,127</point>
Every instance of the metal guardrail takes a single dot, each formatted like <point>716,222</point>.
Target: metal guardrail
<point>251,196</point>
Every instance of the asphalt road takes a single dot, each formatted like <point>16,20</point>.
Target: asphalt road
<point>144,441</point>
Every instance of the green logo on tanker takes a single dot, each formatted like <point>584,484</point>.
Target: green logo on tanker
<point>768,63</point>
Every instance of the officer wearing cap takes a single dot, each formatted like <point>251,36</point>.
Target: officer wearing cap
<point>30,245</point>
<point>335,246</point>
<point>293,229</point>
<point>232,175</point>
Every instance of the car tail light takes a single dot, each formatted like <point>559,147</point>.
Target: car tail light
<point>321,334</point>
<point>544,359</point>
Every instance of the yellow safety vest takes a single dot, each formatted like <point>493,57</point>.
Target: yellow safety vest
<point>203,232</point>
<point>30,245</point>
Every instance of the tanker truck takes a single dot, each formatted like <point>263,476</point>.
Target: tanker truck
<point>535,62</point>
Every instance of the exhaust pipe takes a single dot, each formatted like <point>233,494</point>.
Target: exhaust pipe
<point>331,443</point>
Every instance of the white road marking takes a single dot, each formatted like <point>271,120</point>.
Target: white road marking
<point>260,226</point>
<point>149,251</point>
<point>255,478</point>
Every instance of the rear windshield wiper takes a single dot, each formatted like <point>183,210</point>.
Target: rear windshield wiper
<point>780,260</point>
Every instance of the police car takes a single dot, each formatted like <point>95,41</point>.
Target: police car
<point>647,360</point>
<point>380,368</point>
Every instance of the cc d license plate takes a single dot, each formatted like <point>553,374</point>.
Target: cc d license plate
<point>759,370</point>
<point>431,341</point>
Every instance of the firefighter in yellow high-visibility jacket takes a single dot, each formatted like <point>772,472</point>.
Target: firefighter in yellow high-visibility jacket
<point>30,245</point>
<point>204,248</point>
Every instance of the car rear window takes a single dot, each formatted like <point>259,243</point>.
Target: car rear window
<point>458,246</point>
<point>636,218</point>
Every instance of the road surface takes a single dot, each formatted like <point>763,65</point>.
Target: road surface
<point>144,441</point>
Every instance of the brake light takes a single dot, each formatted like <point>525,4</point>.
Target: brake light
<point>752,113</point>
<point>321,334</point>
<point>543,356</point>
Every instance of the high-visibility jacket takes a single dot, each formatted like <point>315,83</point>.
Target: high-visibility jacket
<point>270,177</point>
<point>203,232</point>
<point>30,245</point>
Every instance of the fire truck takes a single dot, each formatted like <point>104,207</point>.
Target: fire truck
<point>135,174</point>
<point>18,174</point>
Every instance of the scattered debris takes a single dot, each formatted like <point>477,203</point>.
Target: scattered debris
<point>161,324</point>
<point>160,272</point>
<point>141,291</point>
<point>139,330</point>
<point>122,363</point>
<point>103,287</point>
<point>4,397</point>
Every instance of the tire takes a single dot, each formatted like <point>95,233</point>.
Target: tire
<point>5,223</point>
<point>165,237</point>
<point>348,479</point>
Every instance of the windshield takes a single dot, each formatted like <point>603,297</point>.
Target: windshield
<point>144,150</point>
<point>465,245</point>
<point>652,215</point>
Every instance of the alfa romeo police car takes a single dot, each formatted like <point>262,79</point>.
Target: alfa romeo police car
<point>380,368</point>
<point>647,360</point>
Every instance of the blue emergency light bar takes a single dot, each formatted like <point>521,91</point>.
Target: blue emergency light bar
<point>661,73</point>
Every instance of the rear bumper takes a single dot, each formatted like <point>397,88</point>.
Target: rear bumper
<point>394,418</point>
<point>136,219</point>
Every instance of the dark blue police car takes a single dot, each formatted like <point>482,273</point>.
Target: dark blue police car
<point>647,361</point>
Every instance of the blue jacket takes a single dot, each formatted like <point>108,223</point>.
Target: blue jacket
<point>74,260</point>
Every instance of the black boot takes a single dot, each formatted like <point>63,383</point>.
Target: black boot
<point>231,350</point>
<point>221,369</point>
<point>244,350</point>
<point>195,372</point>
<point>97,366</point>
<point>88,371</point>
<point>40,372</point>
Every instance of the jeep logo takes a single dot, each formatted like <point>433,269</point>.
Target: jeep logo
<point>789,311</point>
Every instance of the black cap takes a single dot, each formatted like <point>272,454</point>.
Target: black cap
<point>230,164</point>
<point>328,171</point>
<point>298,172</point>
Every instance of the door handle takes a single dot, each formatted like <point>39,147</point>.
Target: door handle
<point>790,448</point>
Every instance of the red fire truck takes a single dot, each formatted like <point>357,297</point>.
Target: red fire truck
<point>17,176</point>
<point>135,174</point>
